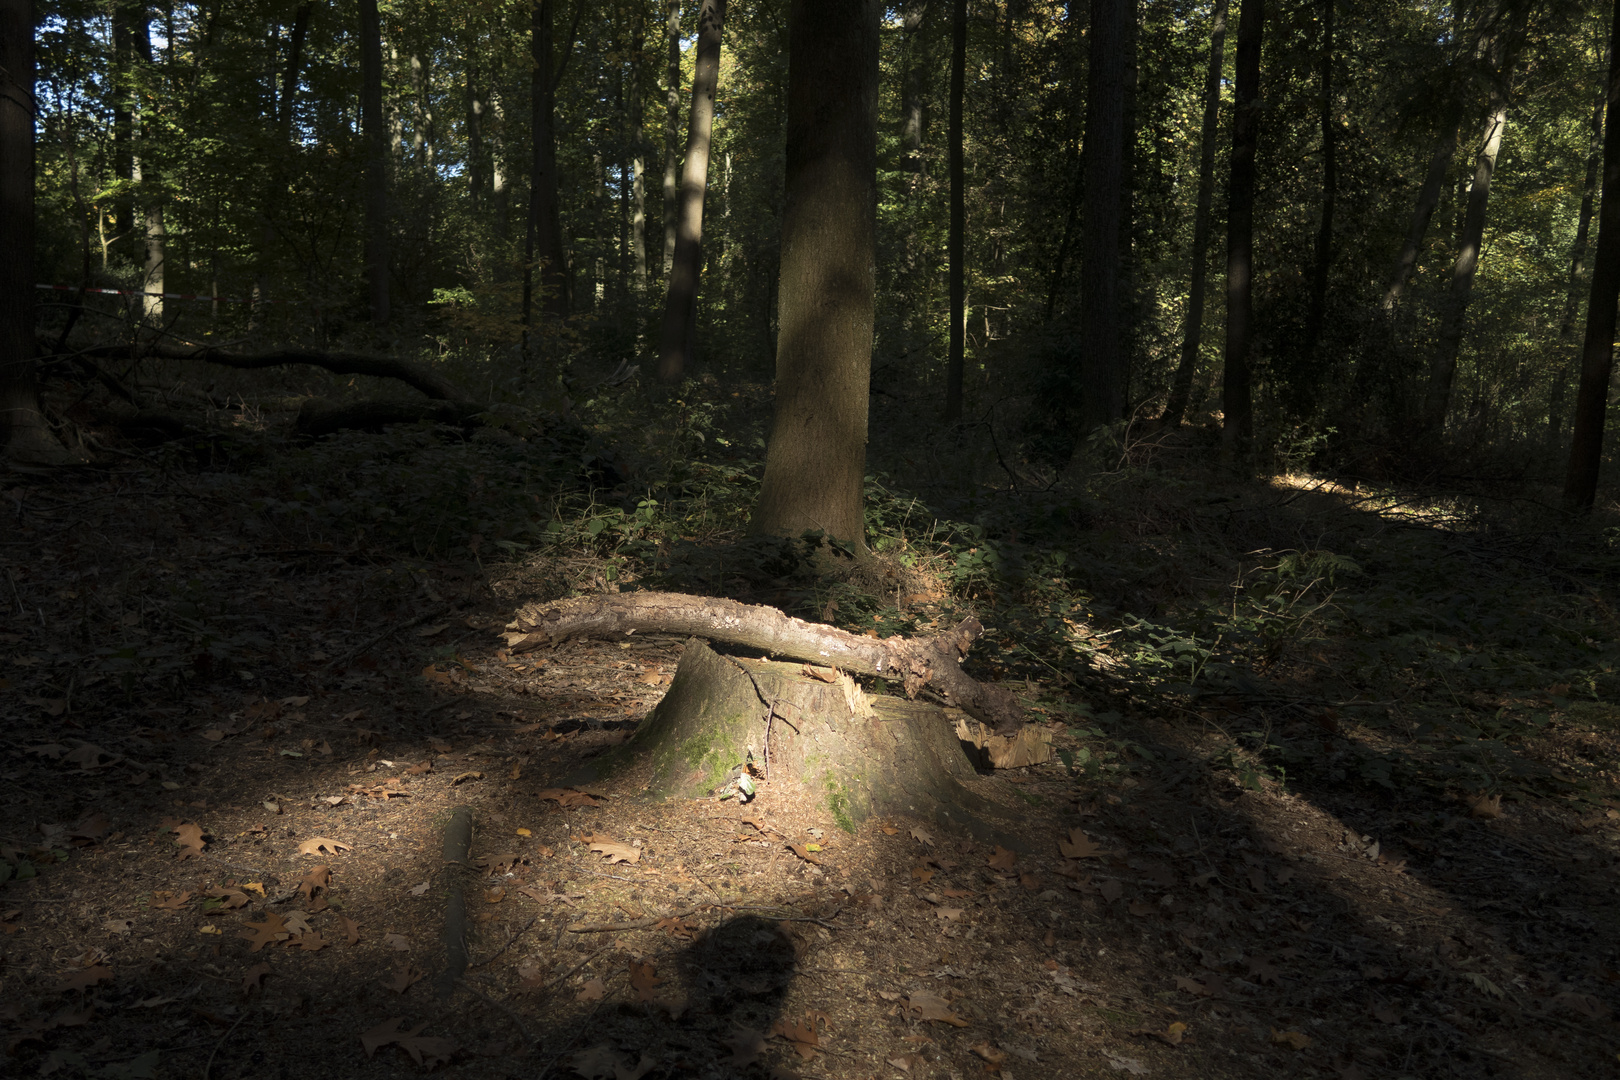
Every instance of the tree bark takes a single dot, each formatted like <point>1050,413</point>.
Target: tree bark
<point>1597,356</point>
<point>1192,335</point>
<point>544,239</point>
<point>125,16</point>
<point>284,123</point>
<point>24,434</point>
<point>932,662</point>
<point>1102,357</point>
<point>636,120</point>
<point>1237,429</point>
<point>815,462</point>
<point>376,140</point>
<point>672,128</point>
<point>157,238</point>
<point>1316,312</point>
<point>475,127</point>
<point>497,167</point>
<point>1577,271</point>
<point>1428,201</point>
<point>956,243</point>
<point>913,83</point>
<point>677,334</point>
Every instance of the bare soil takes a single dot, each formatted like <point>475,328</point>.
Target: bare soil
<point>169,662</point>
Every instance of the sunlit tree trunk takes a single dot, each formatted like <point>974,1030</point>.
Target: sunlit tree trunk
<point>1101,352</point>
<point>1577,273</point>
<point>544,233</point>
<point>638,156</point>
<point>672,127</point>
<point>676,336</point>
<point>376,141</point>
<point>956,245</point>
<point>1597,357</point>
<point>498,194</point>
<point>475,130</point>
<point>1316,312</point>
<point>157,240</point>
<point>1427,202</point>
<point>1192,334</point>
<point>815,462</point>
<point>1237,429</point>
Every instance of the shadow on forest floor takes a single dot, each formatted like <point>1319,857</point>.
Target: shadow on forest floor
<point>1352,816</point>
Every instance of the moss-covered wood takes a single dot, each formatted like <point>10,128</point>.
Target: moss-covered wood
<point>860,756</point>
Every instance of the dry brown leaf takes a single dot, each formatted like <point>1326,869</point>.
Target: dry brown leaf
<point>316,845</point>
<point>319,879</point>
<point>92,830</point>
<point>230,899</point>
<point>1080,846</point>
<point>84,978</point>
<point>1002,859</point>
<point>424,1049</point>
<point>644,979</point>
<point>1485,806</point>
<point>1111,889</point>
<point>593,990</point>
<point>928,1006</point>
<point>804,853</point>
<point>1172,1034</point>
<point>803,1037</point>
<point>617,852</point>
<point>405,976</point>
<point>397,942</point>
<point>274,928</point>
<point>167,901</point>
<point>990,1054</point>
<point>921,874</point>
<point>746,1045</point>
<point>676,928</point>
<point>351,929</point>
<point>1264,970</point>
<point>253,978</point>
<point>923,837</point>
<point>949,914</point>
<point>191,839</point>
<point>118,926</point>
<point>495,895</point>
<point>309,941</point>
<point>569,798</point>
<point>1192,986</point>
<point>1294,1040</point>
<point>957,894</point>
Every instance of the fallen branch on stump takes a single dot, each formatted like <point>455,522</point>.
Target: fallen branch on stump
<point>933,661</point>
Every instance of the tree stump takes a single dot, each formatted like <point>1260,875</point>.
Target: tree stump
<point>800,724</point>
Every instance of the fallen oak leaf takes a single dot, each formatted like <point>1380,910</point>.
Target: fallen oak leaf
<point>316,845</point>
<point>1080,846</point>
<point>1172,1034</point>
<point>83,978</point>
<point>644,979</point>
<point>1294,1040</point>
<point>746,1045</point>
<point>803,1037</point>
<point>318,879</point>
<point>593,990</point>
<point>191,838</point>
<point>803,852</point>
<point>405,976</point>
<point>274,928</point>
<point>1002,859</point>
<point>1485,806</point>
<point>309,941</point>
<point>351,928</point>
<point>569,798</point>
<point>992,1056</point>
<point>253,978</point>
<point>617,852</point>
<point>381,1035</point>
<point>928,1006</point>
<point>228,898</point>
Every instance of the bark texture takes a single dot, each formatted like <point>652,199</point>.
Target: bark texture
<point>1577,270</point>
<point>1597,356</point>
<point>956,245</point>
<point>1427,202</point>
<point>376,140</point>
<point>816,459</point>
<point>932,662</point>
<point>544,241</point>
<point>1237,430</point>
<point>860,756</point>
<point>677,333</point>
<point>1316,313</point>
<point>636,121</point>
<point>1192,335</point>
<point>1101,352</point>
<point>672,126</point>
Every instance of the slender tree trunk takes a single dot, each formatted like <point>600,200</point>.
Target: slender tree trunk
<point>956,241</point>
<point>124,19</point>
<point>913,83</point>
<point>1453,317</point>
<point>675,340</point>
<point>1192,334</point>
<point>157,239</point>
<point>1597,357</point>
<point>544,233</point>
<point>24,433</point>
<point>1316,313</point>
<point>1428,201</point>
<point>1577,272</point>
<point>475,130</point>
<point>672,129</point>
<point>497,168</point>
<point>376,139</point>
<point>636,121</point>
<point>815,462</point>
<point>284,120</point>
<point>1237,429</point>
<point>1101,353</point>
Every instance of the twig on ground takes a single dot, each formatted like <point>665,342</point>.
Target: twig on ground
<point>517,1021</point>
<point>509,943</point>
<point>432,612</point>
<point>634,924</point>
<point>209,1067</point>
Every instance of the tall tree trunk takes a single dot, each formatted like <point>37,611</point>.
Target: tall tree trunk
<point>1577,271</point>
<point>284,121</point>
<point>376,139</point>
<point>498,194</point>
<point>1597,357</point>
<point>1453,317</point>
<point>1237,428</point>
<point>675,339</point>
<point>1101,352</point>
<point>24,434</point>
<point>157,239</point>
<point>1428,201</point>
<point>636,120</point>
<point>816,459</point>
<point>125,17</point>
<point>1192,334</point>
<point>956,244</point>
<point>672,128</point>
<point>913,84</point>
<point>1316,313</point>
<point>475,129</point>
<point>544,233</point>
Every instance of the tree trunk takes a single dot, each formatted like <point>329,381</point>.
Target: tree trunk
<point>933,662</point>
<point>858,756</point>
<point>1192,335</point>
<point>497,168</point>
<point>815,462</point>
<point>24,434</point>
<point>1316,313</point>
<point>1237,429</point>
<point>956,243</point>
<point>1453,316</point>
<point>1597,357</point>
<point>376,139</point>
<point>1102,358</point>
<point>913,83</point>
<point>675,339</point>
<point>1577,272</point>
<point>672,128</point>
<point>544,233</point>
<point>125,17</point>
<point>636,120</point>
<point>1428,201</point>
<point>157,237</point>
<point>475,129</point>
<point>284,122</point>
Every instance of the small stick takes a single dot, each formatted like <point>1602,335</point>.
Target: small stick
<point>636,924</point>
<point>406,625</point>
<point>209,1067</point>
<point>509,943</point>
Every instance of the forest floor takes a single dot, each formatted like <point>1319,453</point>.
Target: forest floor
<point>234,731</point>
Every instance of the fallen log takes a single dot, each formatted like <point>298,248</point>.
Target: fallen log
<point>339,363</point>
<point>933,661</point>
